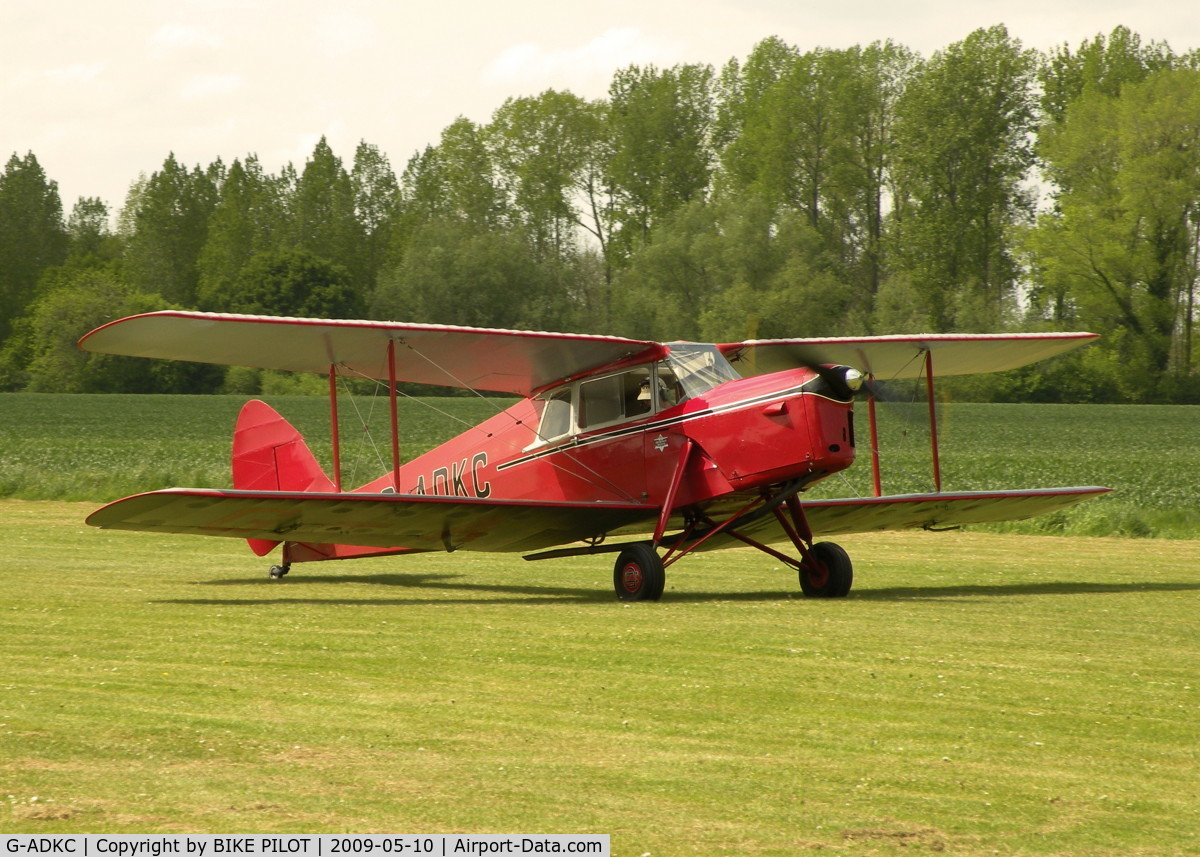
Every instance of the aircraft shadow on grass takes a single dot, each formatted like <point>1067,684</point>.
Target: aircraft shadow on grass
<point>543,594</point>
<point>934,593</point>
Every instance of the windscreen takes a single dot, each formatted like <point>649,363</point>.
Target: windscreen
<point>699,368</point>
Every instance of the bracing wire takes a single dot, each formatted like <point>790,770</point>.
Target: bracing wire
<point>378,385</point>
<point>464,385</point>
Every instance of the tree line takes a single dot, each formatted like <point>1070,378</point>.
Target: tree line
<point>830,192</point>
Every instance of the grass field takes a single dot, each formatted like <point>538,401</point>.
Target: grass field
<point>979,693</point>
<point>100,448</point>
<point>976,694</point>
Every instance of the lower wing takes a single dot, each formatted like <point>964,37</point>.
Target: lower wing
<point>374,520</point>
<point>938,511</point>
<point>427,523</point>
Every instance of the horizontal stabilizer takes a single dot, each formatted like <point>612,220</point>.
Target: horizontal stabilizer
<point>379,520</point>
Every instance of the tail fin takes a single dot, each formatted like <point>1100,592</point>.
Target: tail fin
<point>270,455</point>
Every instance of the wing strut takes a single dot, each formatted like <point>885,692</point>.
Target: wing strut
<point>875,477</point>
<point>391,354</point>
<point>933,438</point>
<point>333,419</point>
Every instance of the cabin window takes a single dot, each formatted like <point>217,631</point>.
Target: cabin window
<point>556,416</point>
<point>615,397</point>
<point>610,399</point>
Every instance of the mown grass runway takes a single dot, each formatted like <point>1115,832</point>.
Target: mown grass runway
<point>976,694</point>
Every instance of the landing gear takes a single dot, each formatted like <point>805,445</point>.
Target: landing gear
<point>827,573</point>
<point>279,571</point>
<point>638,574</point>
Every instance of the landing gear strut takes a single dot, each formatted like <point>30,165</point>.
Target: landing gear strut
<point>824,568</point>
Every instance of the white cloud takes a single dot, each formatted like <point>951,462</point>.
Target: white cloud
<point>76,73</point>
<point>529,65</point>
<point>170,39</point>
<point>344,34</point>
<point>210,85</point>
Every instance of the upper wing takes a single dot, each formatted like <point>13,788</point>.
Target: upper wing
<point>504,361</point>
<point>890,357</point>
<point>375,520</point>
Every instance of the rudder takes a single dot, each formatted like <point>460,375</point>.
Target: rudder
<point>269,454</point>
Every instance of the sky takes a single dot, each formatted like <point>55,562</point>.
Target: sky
<point>102,93</point>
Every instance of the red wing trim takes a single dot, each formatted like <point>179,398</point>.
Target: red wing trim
<point>375,520</point>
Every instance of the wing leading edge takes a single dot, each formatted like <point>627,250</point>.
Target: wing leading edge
<point>372,520</point>
<point>940,510</point>
<point>423,523</point>
<point>894,357</point>
<point>937,511</point>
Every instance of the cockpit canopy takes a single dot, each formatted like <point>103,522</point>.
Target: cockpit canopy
<point>689,370</point>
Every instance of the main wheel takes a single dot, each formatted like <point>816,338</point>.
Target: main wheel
<point>638,574</point>
<point>278,571</point>
<point>830,575</point>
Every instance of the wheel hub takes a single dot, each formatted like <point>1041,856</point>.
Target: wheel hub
<point>631,577</point>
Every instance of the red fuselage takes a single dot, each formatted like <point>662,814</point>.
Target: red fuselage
<point>750,433</point>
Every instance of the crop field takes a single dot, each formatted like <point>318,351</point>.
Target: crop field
<point>100,448</point>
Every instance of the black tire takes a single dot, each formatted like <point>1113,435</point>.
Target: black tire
<point>638,574</point>
<point>278,571</point>
<point>833,578</point>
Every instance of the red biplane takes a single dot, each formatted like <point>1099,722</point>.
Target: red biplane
<point>647,450</point>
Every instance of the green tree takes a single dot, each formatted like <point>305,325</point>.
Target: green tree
<point>92,240</point>
<point>814,137</point>
<point>456,273</point>
<point>666,286</point>
<point>729,269</point>
<point>325,219</point>
<point>1103,64</point>
<point>1118,252</point>
<point>741,90</point>
<point>248,218</point>
<point>32,234</point>
<point>376,203</point>
<point>660,123</point>
<point>963,153</point>
<point>540,147</point>
<point>43,355</point>
<point>455,180</point>
<point>873,82</point>
<point>167,221</point>
<point>292,281</point>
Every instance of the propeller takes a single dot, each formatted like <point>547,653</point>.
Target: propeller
<point>842,382</point>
